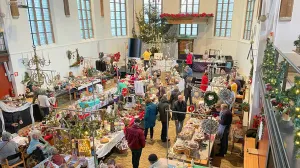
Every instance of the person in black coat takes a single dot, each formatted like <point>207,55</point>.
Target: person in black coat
<point>12,121</point>
<point>174,96</point>
<point>188,90</point>
<point>179,106</point>
<point>225,121</point>
<point>164,115</point>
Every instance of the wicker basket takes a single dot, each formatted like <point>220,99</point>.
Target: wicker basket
<point>179,150</point>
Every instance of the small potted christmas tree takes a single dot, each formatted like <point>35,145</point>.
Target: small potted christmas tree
<point>297,44</point>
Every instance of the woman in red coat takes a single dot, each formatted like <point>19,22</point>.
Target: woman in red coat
<point>204,82</point>
<point>189,60</point>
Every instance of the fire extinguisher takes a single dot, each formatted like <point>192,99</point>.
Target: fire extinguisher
<point>11,92</point>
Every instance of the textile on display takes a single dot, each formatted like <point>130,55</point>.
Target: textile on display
<point>139,87</point>
<point>101,66</point>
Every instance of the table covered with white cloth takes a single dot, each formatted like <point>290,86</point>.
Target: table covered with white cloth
<point>90,160</point>
<point>103,149</point>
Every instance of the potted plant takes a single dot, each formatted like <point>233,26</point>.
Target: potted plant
<point>297,44</point>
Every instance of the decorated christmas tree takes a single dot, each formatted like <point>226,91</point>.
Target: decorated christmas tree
<point>153,29</point>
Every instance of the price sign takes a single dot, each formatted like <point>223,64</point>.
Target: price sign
<point>84,147</point>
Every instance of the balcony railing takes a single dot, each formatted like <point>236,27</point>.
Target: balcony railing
<point>276,100</point>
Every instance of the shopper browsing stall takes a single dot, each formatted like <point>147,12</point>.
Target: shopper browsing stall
<point>150,118</point>
<point>188,90</point>
<point>174,96</point>
<point>179,106</point>
<point>161,91</point>
<point>165,116</point>
<point>234,86</point>
<point>136,141</point>
<point>44,104</point>
<point>188,72</point>
<point>204,82</point>
<point>147,55</point>
<point>225,121</point>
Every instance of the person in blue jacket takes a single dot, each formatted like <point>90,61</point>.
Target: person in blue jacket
<point>150,118</point>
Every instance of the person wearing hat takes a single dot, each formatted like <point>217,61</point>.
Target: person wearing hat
<point>8,148</point>
<point>155,163</point>
<point>136,141</point>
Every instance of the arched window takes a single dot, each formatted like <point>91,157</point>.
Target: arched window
<point>224,15</point>
<point>85,19</point>
<point>118,18</point>
<point>40,22</point>
<point>189,6</point>
<point>249,19</point>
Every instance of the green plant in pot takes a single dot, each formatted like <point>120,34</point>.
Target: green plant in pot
<point>297,44</point>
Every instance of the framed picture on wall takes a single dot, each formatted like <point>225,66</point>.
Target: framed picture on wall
<point>184,44</point>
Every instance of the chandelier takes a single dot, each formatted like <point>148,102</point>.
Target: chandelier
<point>38,76</point>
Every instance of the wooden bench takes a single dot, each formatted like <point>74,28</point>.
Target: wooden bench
<point>250,160</point>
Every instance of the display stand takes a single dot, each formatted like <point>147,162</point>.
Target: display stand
<point>183,158</point>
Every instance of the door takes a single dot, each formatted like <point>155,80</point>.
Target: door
<point>4,83</point>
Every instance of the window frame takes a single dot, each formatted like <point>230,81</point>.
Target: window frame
<point>82,20</point>
<point>227,12</point>
<point>185,25</point>
<point>249,2</point>
<point>115,18</point>
<point>2,42</point>
<point>156,4</point>
<point>43,21</point>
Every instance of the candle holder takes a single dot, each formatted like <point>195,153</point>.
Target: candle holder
<point>38,76</point>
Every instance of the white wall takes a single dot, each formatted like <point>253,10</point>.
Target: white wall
<point>206,39</point>
<point>67,37</point>
<point>288,31</point>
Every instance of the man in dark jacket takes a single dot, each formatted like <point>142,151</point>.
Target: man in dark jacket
<point>179,106</point>
<point>225,121</point>
<point>188,90</point>
<point>136,141</point>
<point>174,96</point>
<point>165,115</point>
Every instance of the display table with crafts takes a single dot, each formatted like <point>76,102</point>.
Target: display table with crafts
<point>69,162</point>
<point>202,65</point>
<point>107,143</point>
<point>18,111</point>
<point>195,141</point>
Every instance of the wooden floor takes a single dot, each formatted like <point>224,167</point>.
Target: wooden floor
<point>250,160</point>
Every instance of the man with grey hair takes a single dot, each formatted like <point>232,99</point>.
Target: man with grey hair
<point>8,148</point>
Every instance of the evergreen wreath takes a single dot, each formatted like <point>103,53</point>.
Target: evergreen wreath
<point>208,101</point>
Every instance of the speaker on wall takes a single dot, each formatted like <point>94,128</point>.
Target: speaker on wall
<point>134,47</point>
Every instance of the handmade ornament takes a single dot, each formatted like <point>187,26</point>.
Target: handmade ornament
<point>209,126</point>
<point>210,98</point>
<point>191,108</point>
